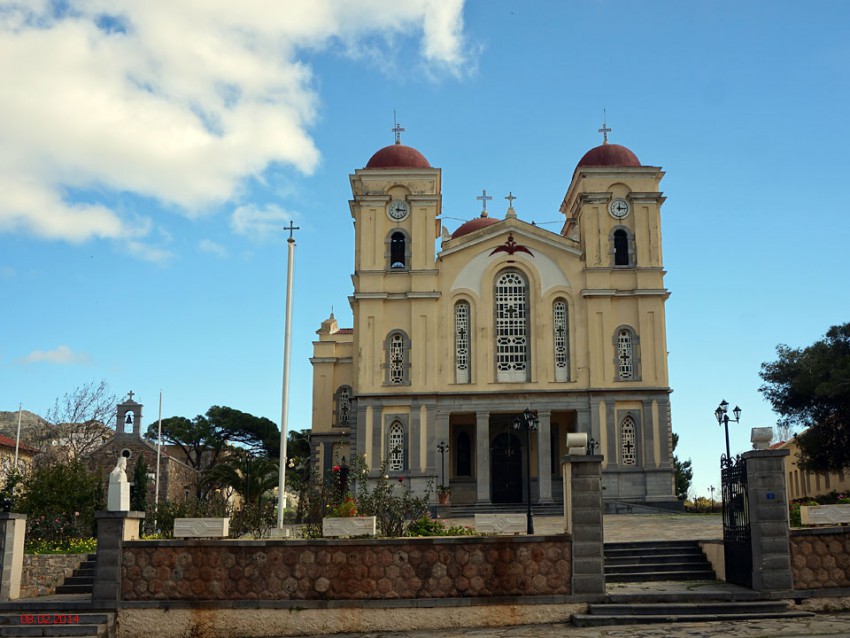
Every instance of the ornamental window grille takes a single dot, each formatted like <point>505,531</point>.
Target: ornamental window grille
<point>343,406</point>
<point>397,367</point>
<point>511,328</point>
<point>462,342</point>
<point>561,334</point>
<point>625,356</point>
<point>621,248</point>
<point>396,447</point>
<point>628,441</point>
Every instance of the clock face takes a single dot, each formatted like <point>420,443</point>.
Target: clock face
<point>619,208</point>
<point>398,209</point>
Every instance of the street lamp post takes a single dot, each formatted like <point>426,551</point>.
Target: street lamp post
<point>442,448</point>
<point>723,419</point>
<point>528,422</point>
<point>711,489</point>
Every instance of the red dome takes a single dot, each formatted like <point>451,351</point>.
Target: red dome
<point>609,155</point>
<point>474,224</point>
<point>398,156</point>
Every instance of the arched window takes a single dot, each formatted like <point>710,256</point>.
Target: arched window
<point>628,441</point>
<point>560,326</point>
<point>398,253</point>
<point>398,358</point>
<point>627,361</point>
<point>463,455</point>
<point>343,406</point>
<point>462,342</point>
<point>621,248</point>
<point>396,447</point>
<point>511,328</point>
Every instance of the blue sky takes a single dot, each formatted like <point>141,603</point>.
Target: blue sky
<point>150,152</point>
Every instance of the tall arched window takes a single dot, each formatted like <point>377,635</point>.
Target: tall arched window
<point>560,326</point>
<point>398,358</point>
<point>343,406</point>
<point>398,254</point>
<point>511,328</point>
<point>396,447</point>
<point>628,441</point>
<point>627,363</point>
<point>462,342</point>
<point>621,248</point>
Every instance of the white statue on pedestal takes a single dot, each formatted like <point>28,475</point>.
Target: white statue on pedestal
<point>118,495</point>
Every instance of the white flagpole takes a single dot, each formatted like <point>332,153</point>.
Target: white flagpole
<point>284,409</point>
<point>18,437</point>
<point>158,454</point>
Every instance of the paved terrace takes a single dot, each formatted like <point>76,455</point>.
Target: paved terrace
<point>621,528</point>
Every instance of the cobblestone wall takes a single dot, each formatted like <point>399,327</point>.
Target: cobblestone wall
<point>43,572</point>
<point>346,569</point>
<point>820,558</point>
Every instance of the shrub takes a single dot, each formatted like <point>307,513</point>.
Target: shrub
<point>67,546</point>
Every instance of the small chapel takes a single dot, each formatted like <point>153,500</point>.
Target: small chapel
<point>450,345</point>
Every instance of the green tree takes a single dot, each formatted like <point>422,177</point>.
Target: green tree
<point>810,388</point>
<point>684,472</point>
<point>250,476</point>
<point>60,501</point>
<point>139,497</point>
<point>204,438</point>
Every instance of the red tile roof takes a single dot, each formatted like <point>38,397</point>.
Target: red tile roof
<point>7,441</point>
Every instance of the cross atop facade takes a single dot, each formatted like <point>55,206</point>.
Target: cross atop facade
<point>604,130</point>
<point>397,129</point>
<point>292,227</point>
<point>130,396</point>
<point>510,197</point>
<point>483,197</point>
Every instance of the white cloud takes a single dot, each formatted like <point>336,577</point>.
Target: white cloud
<point>211,247</point>
<point>63,355</point>
<point>259,223</point>
<point>175,100</point>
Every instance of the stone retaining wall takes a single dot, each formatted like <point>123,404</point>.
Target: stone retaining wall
<point>43,572</point>
<point>820,557</point>
<point>359,569</point>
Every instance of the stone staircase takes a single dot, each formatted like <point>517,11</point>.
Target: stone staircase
<point>468,511</point>
<point>678,608</point>
<point>656,561</point>
<point>81,581</point>
<point>35,622</point>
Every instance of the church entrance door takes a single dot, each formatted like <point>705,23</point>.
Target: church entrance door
<point>506,469</point>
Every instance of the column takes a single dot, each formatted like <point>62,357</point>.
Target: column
<point>544,457</point>
<point>583,497</point>
<point>768,513</point>
<point>482,456</point>
<point>12,534</point>
<point>113,528</point>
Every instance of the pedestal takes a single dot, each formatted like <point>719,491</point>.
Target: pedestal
<point>113,529</point>
<point>12,535</point>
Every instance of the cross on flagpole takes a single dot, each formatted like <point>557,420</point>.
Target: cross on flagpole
<point>292,227</point>
<point>604,130</point>
<point>483,197</point>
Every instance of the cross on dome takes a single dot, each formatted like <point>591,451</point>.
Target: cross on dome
<point>483,197</point>
<point>397,129</point>
<point>604,130</point>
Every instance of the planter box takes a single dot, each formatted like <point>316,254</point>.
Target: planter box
<point>501,523</point>
<point>349,526</point>
<point>825,514</point>
<point>201,527</point>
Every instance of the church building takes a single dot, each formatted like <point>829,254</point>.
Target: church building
<point>449,346</point>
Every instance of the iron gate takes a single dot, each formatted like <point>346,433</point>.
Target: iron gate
<point>737,540</point>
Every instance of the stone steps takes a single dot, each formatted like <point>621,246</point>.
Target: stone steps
<point>656,561</point>
<point>667,612</point>
<point>38,623</point>
<point>82,579</point>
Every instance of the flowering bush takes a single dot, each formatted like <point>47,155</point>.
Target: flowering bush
<point>67,546</point>
<point>346,509</point>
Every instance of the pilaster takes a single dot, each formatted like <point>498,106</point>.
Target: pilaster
<point>482,456</point>
<point>544,456</point>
